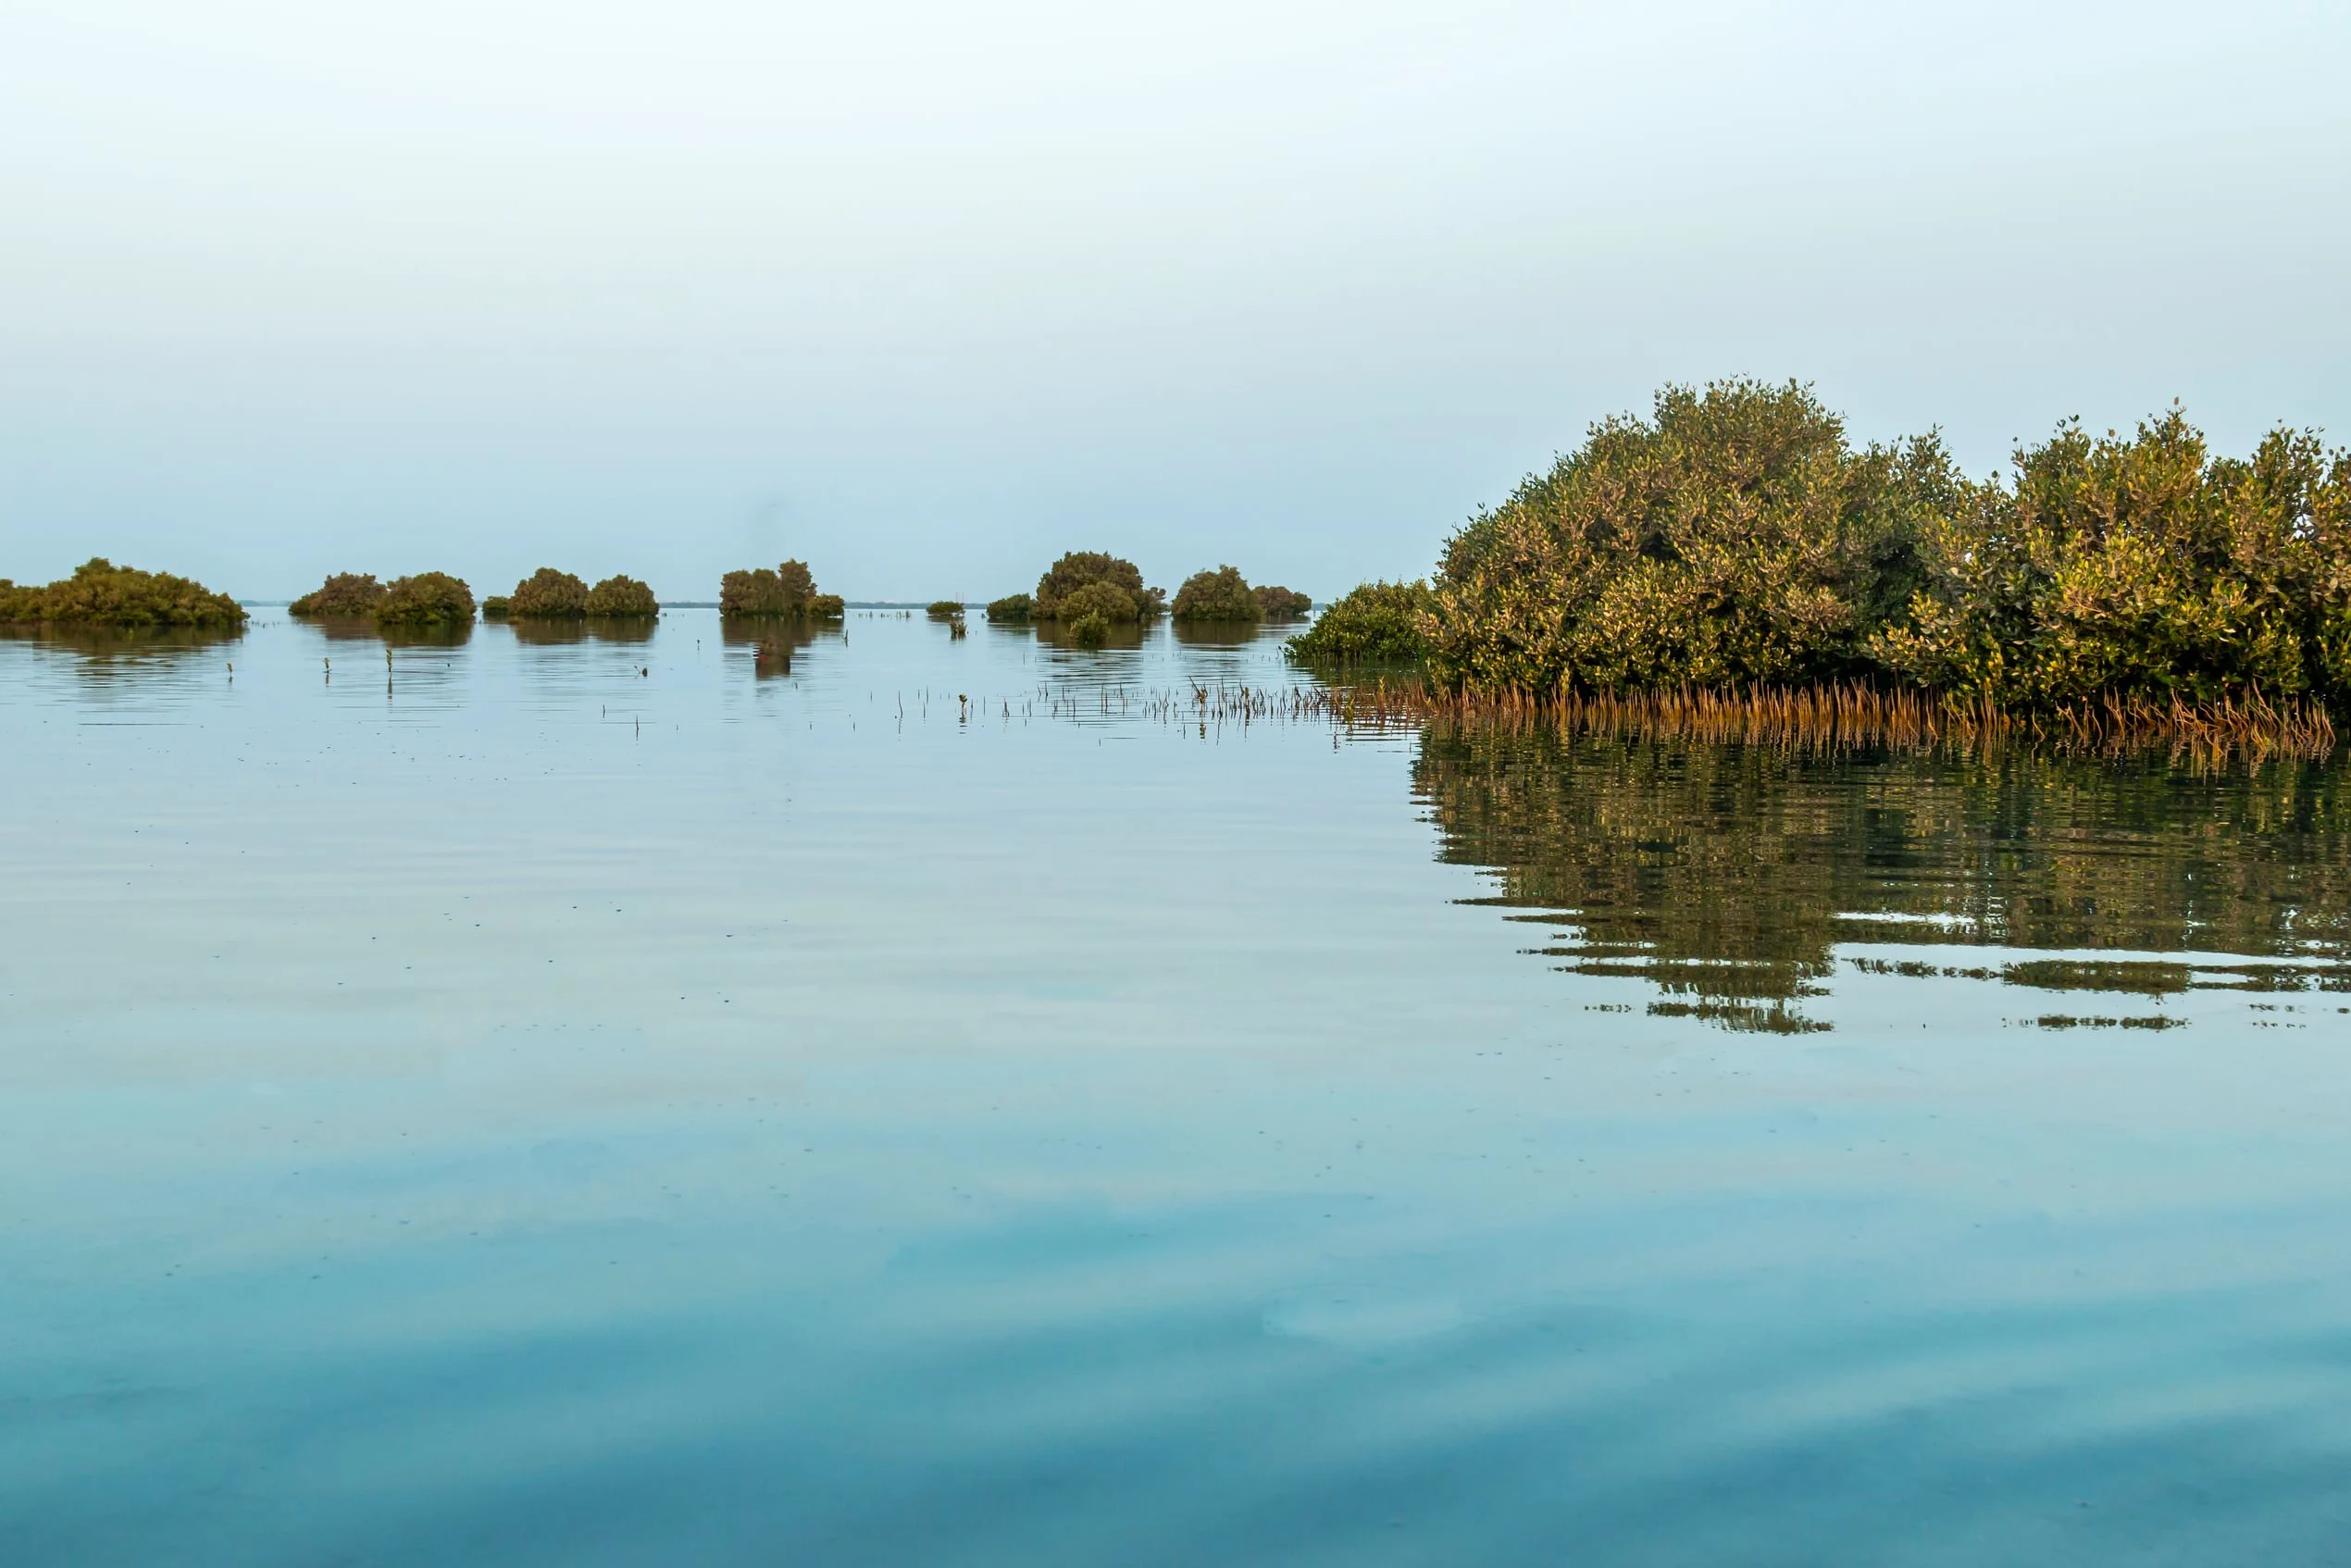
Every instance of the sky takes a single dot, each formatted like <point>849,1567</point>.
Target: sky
<point>926,293</point>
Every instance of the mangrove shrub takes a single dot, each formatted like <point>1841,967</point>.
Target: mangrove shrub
<point>790,589</point>
<point>548,595</point>
<point>345,594</point>
<point>1221,595</point>
<point>1105,602</point>
<point>1082,569</point>
<point>1283,604</point>
<point>1376,622</point>
<point>1011,607</point>
<point>945,610</point>
<point>2142,567</point>
<point>497,607</point>
<point>429,599</point>
<point>619,596</point>
<point>102,594</point>
<point>1734,536</point>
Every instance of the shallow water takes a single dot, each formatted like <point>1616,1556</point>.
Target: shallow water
<point>589,1101</point>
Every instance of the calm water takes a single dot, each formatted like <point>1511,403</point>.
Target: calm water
<point>584,1102</point>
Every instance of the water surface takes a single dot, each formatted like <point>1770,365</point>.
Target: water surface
<point>594,1100</point>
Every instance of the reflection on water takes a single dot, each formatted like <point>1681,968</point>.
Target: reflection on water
<point>1734,875</point>
<point>773,643</point>
<point>602,629</point>
<point>1120,637</point>
<point>361,629</point>
<point>1219,634</point>
<point>104,653</point>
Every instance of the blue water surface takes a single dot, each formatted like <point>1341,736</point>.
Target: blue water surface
<point>975,1101</point>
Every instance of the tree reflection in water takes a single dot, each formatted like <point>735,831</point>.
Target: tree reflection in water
<point>1729,876</point>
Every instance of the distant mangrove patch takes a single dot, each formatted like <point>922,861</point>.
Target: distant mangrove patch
<point>1011,609</point>
<point>622,597</point>
<point>548,595</point>
<point>1277,603</point>
<point>425,599</point>
<point>1221,595</point>
<point>1086,583</point>
<point>343,596</point>
<point>100,594</point>
<point>789,591</point>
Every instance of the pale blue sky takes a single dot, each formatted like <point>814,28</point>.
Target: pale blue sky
<point>927,292</point>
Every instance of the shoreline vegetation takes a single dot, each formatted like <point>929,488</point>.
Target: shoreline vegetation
<point>1852,716</point>
<point>1729,565</point>
<point>100,594</point>
<point>1732,561</point>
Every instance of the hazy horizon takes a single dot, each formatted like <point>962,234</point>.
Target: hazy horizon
<point>925,297</point>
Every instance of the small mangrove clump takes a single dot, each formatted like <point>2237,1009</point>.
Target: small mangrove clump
<point>101,593</point>
<point>784,592</point>
<point>497,607</point>
<point>1011,609</point>
<point>1376,623</point>
<point>429,599</point>
<point>1124,599</point>
<point>350,595</point>
<point>1221,595</point>
<point>618,596</point>
<point>548,595</point>
<point>945,610</point>
<point>789,591</point>
<point>1277,604</point>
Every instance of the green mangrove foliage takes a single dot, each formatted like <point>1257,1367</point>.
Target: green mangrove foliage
<point>1011,608</point>
<point>622,596</point>
<point>1277,603</point>
<point>1221,595</point>
<point>789,591</point>
<point>1112,588</point>
<point>945,610</point>
<point>346,595</point>
<point>2142,567</point>
<point>497,607</point>
<point>1104,600</point>
<point>784,592</point>
<point>102,594</point>
<point>548,595</point>
<point>1735,536</point>
<point>425,599</point>
<point>1374,623</point>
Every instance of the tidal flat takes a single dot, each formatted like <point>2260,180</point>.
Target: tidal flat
<point>982,1100</point>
